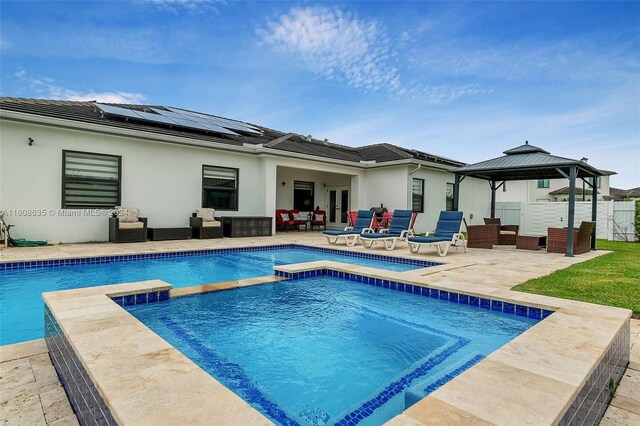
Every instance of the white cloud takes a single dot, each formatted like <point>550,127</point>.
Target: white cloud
<point>567,60</point>
<point>47,88</point>
<point>443,93</point>
<point>191,6</point>
<point>336,45</point>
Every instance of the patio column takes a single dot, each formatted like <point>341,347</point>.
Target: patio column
<point>594,210</point>
<point>456,192</point>
<point>573,171</point>
<point>493,198</point>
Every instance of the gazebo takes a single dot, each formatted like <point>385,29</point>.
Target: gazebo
<point>528,162</point>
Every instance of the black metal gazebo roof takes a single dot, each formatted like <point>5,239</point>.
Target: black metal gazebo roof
<point>528,162</point>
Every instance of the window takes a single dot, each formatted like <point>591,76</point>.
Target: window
<point>543,183</point>
<point>504,186</point>
<point>597,181</point>
<point>219,188</point>
<point>449,197</point>
<point>90,180</point>
<point>303,196</point>
<point>417,191</point>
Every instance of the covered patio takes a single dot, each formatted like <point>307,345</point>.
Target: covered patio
<point>528,162</point>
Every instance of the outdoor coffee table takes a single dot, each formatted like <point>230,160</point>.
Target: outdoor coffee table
<point>530,242</point>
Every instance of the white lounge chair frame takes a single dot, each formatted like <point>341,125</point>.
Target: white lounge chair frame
<point>349,239</point>
<point>389,242</point>
<point>442,247</point>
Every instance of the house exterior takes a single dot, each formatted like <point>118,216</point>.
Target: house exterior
<point>551,190</point>
<point>617,194</point>
<point>65,164</point>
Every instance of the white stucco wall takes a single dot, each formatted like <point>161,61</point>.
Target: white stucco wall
<point>527,190</point>
<point>390,186</point>
<point>163,180</point>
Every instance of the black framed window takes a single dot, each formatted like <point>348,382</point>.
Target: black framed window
<point>449,195</point>
<point>90,180</point>
<point>543,183</point>
<point>417,195</point>
<point>303,196</point>
<point>219,188</point>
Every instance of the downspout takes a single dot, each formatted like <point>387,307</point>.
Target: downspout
<point>410,187</point>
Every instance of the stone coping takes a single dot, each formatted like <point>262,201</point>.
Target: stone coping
<point>534,378</point>
<point>141,377</point>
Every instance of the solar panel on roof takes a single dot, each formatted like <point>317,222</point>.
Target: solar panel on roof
<point>156,118</point>
<point>217,121</point>
<point>185,122</point>
<point>122,112</point>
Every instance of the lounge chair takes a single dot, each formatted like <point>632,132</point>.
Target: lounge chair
<point>447,234</point>
<point>401,227</point>
<point>362,224</point>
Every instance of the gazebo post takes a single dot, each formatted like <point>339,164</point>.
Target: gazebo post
<point>456,192</point>
<point>573,171</point>
<point>493,199</point>
<point>594,209</point>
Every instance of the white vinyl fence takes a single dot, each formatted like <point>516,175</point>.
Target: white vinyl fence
<point>615,218</point>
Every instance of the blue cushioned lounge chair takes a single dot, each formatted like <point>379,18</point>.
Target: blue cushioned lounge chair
<point>401,227</point>
<point>447,234</point>
<point>363,223</point>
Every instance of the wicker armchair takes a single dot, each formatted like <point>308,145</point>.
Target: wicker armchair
<point>506,233</point>
<point>122,232</point>
<point>203,229</point>
<point>557,239</point>
<point>482,236</point>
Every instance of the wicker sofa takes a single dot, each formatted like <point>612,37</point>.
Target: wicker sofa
<point>557,239</point>
<point>506,233</point>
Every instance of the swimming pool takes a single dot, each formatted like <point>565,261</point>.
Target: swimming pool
<point>324,350</point>
<point>21,307</point>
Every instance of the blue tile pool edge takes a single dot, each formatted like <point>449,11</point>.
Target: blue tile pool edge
<point>460,298</point>
<point>129,257</point>
<point>589,404</point>
<point>87,403</point>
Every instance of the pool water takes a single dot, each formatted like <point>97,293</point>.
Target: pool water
<point>323,350</point>
<point>22,309</point>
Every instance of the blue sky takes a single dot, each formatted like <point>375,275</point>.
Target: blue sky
<point>461,80</point>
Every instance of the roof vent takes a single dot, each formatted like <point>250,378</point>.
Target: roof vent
<point>367,161</point>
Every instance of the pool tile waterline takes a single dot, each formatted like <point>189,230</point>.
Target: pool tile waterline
<point>460,298</point>
<point>206,252</point>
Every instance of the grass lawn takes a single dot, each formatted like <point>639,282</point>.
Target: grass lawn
<point>612,279</point>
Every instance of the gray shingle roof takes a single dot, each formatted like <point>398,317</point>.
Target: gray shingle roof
<point>87,112</point>
<point>565,191</point>
<point>526,162</point>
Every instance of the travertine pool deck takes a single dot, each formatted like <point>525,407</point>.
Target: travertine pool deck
<point>489,273</point>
